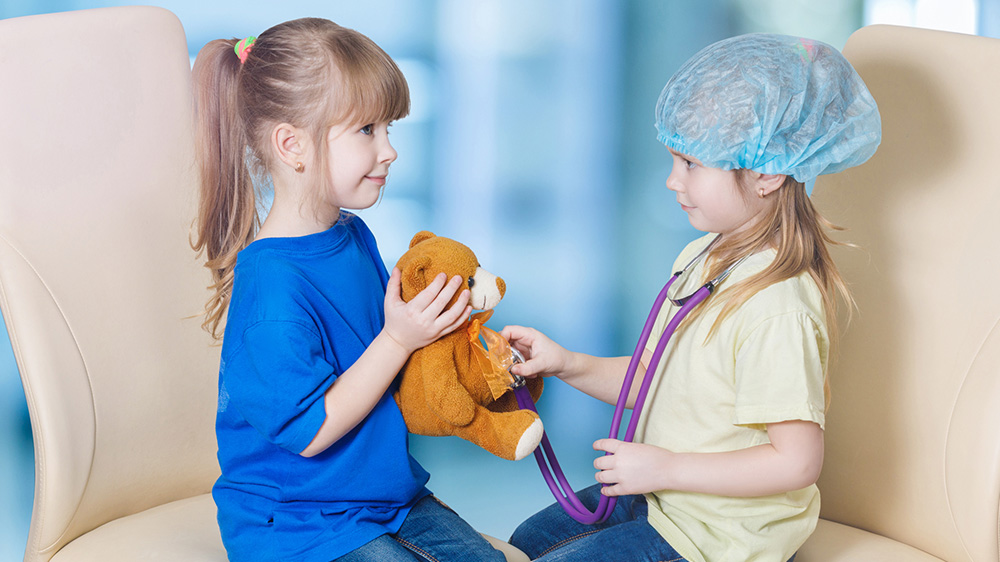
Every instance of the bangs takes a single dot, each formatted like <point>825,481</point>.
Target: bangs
<point>374,90</point>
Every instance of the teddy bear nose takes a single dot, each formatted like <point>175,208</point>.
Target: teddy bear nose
<point>502,286</point>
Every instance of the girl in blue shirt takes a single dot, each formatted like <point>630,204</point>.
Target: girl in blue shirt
<point>312,447</point>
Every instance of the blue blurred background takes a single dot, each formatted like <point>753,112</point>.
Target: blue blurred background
<point>531,140</point>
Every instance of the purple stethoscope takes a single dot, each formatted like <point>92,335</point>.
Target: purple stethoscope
<point>544,454</point>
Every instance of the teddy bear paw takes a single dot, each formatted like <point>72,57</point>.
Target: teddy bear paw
<point>529,440</point>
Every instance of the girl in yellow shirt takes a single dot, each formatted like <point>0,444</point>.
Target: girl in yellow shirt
<point>730,442</point>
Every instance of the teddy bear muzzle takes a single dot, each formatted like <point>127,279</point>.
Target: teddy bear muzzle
<point>486,290</point>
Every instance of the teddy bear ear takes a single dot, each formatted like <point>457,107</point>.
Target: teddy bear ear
<point>414,276</point>
<point>420,237</point>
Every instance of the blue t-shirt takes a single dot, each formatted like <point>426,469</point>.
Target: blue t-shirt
<point>302,312</point>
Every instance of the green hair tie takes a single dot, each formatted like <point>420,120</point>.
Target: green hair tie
<point>242,48</point>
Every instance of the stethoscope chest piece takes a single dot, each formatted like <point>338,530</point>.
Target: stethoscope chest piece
<point>519,381</point>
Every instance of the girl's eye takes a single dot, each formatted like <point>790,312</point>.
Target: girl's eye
<point>472,281</point>
<point>690,165</point>
<point>367,129</point>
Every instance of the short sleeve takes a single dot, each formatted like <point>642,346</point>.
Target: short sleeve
<point>280,382</point>
<point>780,371</point>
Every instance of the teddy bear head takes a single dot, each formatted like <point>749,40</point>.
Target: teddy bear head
<point>430,255</point>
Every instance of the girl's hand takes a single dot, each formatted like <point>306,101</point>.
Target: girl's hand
<point>423,320</point>
<point>543,357</point>
<point>630,468</point>
<point>791,461</point>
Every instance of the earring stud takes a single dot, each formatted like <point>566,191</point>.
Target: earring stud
<point>300,167</point>
<point>760,193</point>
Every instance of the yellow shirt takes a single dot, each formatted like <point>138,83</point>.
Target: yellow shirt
<point>765,364</point>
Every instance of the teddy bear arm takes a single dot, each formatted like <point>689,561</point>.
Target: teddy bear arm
<point>535,386</point>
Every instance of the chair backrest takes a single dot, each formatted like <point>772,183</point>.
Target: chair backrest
<point>913,433</point>
<point>99,287</point>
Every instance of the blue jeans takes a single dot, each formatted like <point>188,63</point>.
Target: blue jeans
<point>552,536</point>
<point>432,532</point>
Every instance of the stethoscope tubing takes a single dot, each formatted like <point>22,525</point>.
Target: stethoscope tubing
<point>545,455</point>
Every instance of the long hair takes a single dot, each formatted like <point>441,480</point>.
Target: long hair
<point>310,73</point>
<point>800,236</point>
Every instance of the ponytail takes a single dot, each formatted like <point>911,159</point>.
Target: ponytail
<point>227,213</point>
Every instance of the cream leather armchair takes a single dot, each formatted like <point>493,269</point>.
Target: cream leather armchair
<point>912,470</point>
<point>100,289</point>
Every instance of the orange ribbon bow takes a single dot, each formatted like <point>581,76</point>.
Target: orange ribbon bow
<point>494,358</point>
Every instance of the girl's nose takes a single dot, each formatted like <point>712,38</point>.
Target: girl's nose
<point>672,183</point>
<point>387,154</point>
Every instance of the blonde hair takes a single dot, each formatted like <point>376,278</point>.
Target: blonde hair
<point>800,236</point>
<point>310,73</point>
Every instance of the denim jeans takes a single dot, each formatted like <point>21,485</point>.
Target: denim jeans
<point>552,536</point>
<point>432,532</point>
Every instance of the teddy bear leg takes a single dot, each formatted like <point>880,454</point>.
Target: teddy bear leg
<point>509,435</point>
<point>529,440</point>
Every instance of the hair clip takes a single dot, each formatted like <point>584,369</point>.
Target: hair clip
<point>242,48</point>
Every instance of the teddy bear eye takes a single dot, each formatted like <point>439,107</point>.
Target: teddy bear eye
<point>472,281</point>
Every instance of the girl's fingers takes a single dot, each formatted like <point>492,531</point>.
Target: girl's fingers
<point>611,491</point>
<point>512,333</point>
<point>393,290</point>
<point>458,321</point>
<point>444,297</point>
<point>605,465</point>
<point>528,369</point>
<point>519,336</point>
<point>426,296</point>
<point>456,310</point>
<point>607,445</point>
<point>604,462</point>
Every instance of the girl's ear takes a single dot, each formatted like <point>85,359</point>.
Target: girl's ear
<point>289,143</point>
<point>769,183</point>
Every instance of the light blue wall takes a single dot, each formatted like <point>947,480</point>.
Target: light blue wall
<point>989,18</point>
<point>531,139</point>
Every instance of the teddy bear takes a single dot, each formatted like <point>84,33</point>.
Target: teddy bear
<point>450,387</point>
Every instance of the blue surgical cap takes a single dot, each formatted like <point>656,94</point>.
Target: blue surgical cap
<point>771,103</point>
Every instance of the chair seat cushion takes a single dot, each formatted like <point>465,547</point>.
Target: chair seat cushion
<point>187,530</point>
<point>833,542</point>
<point>181,530</point>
